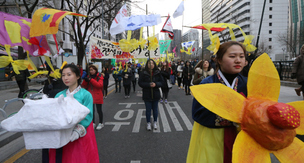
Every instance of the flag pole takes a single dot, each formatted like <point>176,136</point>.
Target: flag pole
<point>182,30</point>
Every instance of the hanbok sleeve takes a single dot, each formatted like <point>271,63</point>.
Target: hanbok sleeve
<point>87,102</point>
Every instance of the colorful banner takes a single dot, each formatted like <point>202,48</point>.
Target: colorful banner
<point>46,21</point>
<point>14,31</point>
<point>104,49</point>
<point>164,45</point>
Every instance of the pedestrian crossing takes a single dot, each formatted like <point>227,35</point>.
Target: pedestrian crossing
<point>171,118</point>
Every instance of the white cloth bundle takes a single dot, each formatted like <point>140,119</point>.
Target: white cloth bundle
<point>47,123</point>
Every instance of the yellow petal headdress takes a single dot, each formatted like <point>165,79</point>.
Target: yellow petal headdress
<point>220,27</point>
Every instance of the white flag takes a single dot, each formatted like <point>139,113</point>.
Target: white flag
<point>187,44</point>
<point>179,11</point>
<point>167,28</point>
<point>120,21</point>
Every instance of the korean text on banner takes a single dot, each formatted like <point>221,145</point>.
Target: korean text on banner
<point>138,53</point>
<point>100,48</point>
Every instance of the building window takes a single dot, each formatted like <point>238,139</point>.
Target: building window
<point>270,24</point>
<point>270,39</point>
<point>270,1</point>
<point>270,8</point>
<point>269,47</point>
<point>270,32</point>
<point>270,16</point>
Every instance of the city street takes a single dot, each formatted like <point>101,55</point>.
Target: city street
<point>125,138</point>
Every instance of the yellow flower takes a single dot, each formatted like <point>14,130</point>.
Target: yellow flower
<point>153,43</point>
<point>260,134</point>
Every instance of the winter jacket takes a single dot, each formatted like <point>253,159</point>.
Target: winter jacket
<point>144,82</point>
<point>200,74</point>
<point>95,86</point>
<point>179,71</point>
<point>51,89</point>
<point>187,70</point>
<point>298,68</point>
<point>166,76</point>
<point>106,79</point>
<point>127,76</point>
<point>117,75</point>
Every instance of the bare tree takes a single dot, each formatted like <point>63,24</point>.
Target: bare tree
<point>263,48</point>
<point>293,43</point>
<point>84,27</point>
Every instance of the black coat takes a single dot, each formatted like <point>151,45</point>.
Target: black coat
<point>187,70</point>
<point>166,75</point>
<point>128,80</point>
<point>55,87</point>
<point>144,82</point>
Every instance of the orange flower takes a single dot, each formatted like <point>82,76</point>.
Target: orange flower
<point>267,126</point>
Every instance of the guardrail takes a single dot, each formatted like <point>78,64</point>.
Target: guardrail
<point>284,69</point>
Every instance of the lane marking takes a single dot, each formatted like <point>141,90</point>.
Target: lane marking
<point>163,118</point>
<point>117,125</point>
<point>181,113</point>
<point>129,104</point>
<point>139,116</point>
<point>17,156</point>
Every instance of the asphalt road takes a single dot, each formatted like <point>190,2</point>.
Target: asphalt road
<point>125,138</point>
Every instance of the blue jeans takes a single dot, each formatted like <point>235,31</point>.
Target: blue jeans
<point>172,79</point>
<point>151,105</point>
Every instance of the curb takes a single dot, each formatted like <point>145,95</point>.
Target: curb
<point>289,84</point>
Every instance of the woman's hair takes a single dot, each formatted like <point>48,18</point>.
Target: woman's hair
<point>187,62</point>
<point>147,64</point>
<point>222,50</point>
<point>74,69</point>
<point>93,67</point>
<point>165,67</point>
<point>209,67</point>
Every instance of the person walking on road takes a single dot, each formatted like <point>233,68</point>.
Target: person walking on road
<point>187,77</point>
<point>21,80</point>
<point>212,136</point>
<point>165,72</point>
<point>117,75</point>
<point>134,72</point>
<point>127,79</point>
<point>106,77</point>
<point>298,72</point>
<point>179,74</point>
<point>150,81</point>
<point>94,84</point>
<point>202,70</point>
<point>82,146</point>
<point>172,76</point>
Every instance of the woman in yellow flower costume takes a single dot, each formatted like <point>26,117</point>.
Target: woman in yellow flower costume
<point>266,125</point>
<point>216,137</point>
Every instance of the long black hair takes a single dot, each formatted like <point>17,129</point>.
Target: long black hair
<point>147,66</point>
<point>74,69</point>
